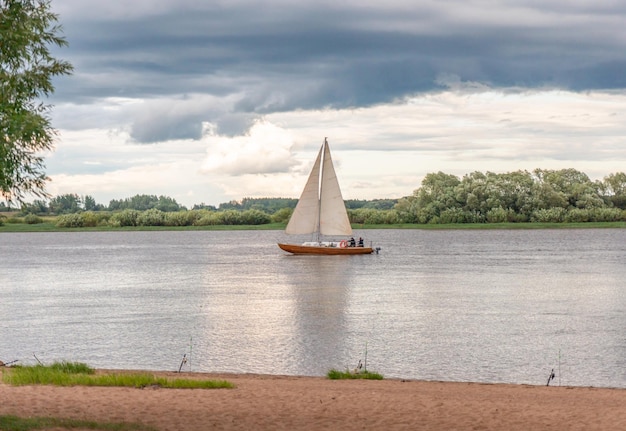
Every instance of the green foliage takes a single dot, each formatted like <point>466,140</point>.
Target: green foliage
<point>541,196</point>
<point>230,217</point>
<point>124,218</point>
<point>27,30</point>
<point>614,187</point>
<point>182,218</point>
<point>267,205</point>
<point>69,220</point>
<point>208,218</point>
<point>345,375</point>
<point>90,204</point>
<point>549,215</point>
<point>66,204</point>
<point>376,204</point>
<point>72,374</point>
<point>92,219</point>
<point>32,219</point>
<point>151,217</point>
<point>373,216</point>
<point>254,217</point>
<point>145,202</point>
<point>282,215</point>
<point>15,423</point>
<point>38,206</point>
<point>72,367</point>
<point>14,220</point>
<point>85,219</point>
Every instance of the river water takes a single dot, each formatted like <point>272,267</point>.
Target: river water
<point>454,305</point>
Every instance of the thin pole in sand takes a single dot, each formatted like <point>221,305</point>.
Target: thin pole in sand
<point>182,362</point>
<point>366,356</point>
<point>550,377</point>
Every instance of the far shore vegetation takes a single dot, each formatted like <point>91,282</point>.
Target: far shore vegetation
<point>522,199</point>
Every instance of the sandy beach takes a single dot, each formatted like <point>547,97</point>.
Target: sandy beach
<point>261,402</point>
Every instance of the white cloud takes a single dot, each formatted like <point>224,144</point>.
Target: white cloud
<point>266,149</point>
<point>380,152</point>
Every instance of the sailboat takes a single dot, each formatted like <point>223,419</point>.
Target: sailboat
<point>322,211</point>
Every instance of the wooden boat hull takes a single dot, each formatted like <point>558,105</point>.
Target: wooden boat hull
<point>309,249</point>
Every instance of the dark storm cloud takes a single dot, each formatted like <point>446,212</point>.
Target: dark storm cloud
<point>262,58</point>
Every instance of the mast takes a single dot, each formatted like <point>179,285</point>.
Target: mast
<point>321,189</point>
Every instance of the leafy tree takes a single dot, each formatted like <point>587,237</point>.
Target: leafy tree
<point>65,204</point>
<point>614,186</point>
<point>38,206</point>
<point>90,203</point>
<point>145,202</point>
<point>204,206</point>
<point>282,215</point>
<point>437,194</point>
<point>167,204</point>
<point>268,205</point>
<point>27,29</point>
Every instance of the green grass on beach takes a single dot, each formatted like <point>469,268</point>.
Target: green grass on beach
<point>15,423</point>
<point>74,374</point>
<point>348,375</point>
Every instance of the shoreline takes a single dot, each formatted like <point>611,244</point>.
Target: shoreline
<point>273,402</point>
<point>51,227</point>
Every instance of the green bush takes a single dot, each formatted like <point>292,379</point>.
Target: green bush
<point>125,217</point>
<point>230,217</point>
<point>373,216</point>
<point>32,219</point>
<point>550,215</point>
<point>90,219</point>
<point>282,215</point>
<point>255,217</point>
<point>497,215</point>
<point>608,214</point>
<point>151,217</point>
<point>69,220</point>
<point>208,218</point>
<point>182,218</point>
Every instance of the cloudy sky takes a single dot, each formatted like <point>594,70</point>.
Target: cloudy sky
<point>209,101</point>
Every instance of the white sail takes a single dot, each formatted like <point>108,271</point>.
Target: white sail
<point>305,217</point>
<point>321,207</point>
<point>333,215</point>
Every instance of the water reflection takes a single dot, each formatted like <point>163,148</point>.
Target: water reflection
<point>320,289</point>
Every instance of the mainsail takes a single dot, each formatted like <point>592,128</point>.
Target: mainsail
<point>321,208</point>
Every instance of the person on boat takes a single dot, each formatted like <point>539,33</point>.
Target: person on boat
<point>360,242</point>
<point>352,242</point>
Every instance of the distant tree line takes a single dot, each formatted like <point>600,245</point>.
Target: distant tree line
<point>565,195</point>
<point>557,196</point>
